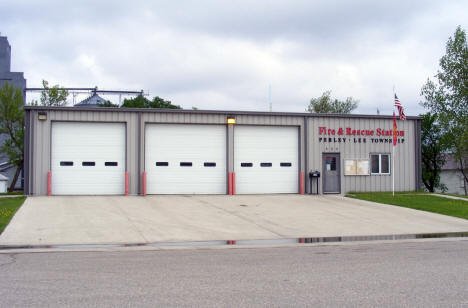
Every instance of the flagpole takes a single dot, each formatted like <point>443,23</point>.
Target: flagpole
<point>395,134</point>
<point>393,152</point>
<point>393,171</point>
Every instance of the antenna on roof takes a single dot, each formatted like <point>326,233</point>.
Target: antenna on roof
<point>269,97</point>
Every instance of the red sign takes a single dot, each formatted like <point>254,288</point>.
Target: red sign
<point>349,131</point>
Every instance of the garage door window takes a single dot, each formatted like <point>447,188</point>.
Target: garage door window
<point>66,163</point>
<point>208,164</point>
<point>285,164</point>
<point>186,164</point>
<point>162,164</point>
<point>380,163</point>
<point>111,164</point>
<point>246,165</point>
<point>265,164</point>
<point>88,163</point>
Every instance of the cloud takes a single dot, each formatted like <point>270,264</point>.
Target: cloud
<point>219,55</point>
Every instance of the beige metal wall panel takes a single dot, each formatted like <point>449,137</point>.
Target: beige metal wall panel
<point>406,154</point>
<point>180,118</point>
<point>349,147</point>
<point>268,120</point>
<point>41,157</point>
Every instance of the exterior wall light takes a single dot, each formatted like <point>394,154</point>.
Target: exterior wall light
<point>231,120</point>
<point>42,116</point>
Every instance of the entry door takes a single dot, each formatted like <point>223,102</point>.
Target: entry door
<point>331,173</point>
<point>185,159</point>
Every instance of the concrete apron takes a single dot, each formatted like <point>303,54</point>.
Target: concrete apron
<point>213,220</point>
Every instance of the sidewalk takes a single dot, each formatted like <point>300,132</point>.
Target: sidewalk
<point>450,197</point>
<point>11,196</point>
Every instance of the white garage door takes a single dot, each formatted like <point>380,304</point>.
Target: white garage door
<point>266,159</point>
<point>88,158</point>
<point>185,159</point>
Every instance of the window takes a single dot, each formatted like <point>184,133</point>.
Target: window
<point>330,163</point>
<point>380,163</point>
<point>66,163</point>
<point>265,164</point>
<point>162,164</point>
<point>207,164</point>
<point>285,164</point>
<point>185,164</point>
<point>111,163</point>
<point>88,164</point>
<point>246,165</point>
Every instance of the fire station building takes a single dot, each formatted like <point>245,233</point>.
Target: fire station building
<point>119,151</point>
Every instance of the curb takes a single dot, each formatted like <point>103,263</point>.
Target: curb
<point>283,241</point>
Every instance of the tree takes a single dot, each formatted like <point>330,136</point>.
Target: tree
<point>432,148</point>
<point>12,125</point>
<point>55,96</point>
<point>142,102</point>
<point>326,104</point>
<point>447,97</point>
<point>158,102</point>
<point>108,104</point>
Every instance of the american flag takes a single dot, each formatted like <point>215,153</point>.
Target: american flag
<point>400,108</point>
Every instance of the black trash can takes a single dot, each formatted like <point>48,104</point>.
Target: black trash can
<point>314,176</point>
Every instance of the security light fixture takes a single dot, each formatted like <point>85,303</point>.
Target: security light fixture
<point>42,116</point>
<point>231,120</point>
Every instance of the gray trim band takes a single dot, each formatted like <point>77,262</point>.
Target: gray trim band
<point>417,155</point>
<point>26,159</point>
<point>139,189</point>
<point>220,112</point>
<point>306,159</point>
<point>31,173</point>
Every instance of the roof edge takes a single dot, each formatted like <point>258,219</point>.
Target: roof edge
<point>223,112</point>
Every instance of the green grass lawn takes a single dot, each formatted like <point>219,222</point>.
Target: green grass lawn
<point>418,201</point>
<point>8,208</point>
<point>13,193</point>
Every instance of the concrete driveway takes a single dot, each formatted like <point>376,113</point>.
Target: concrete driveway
<point>132,219</point>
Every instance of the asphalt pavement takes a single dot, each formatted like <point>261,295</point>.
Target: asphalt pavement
<point>416,274</point>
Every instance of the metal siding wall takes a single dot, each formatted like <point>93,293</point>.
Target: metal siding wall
<point>230,148</point>
<point>132,151</point>
<point>404,168</point>
<point>417,153</point>
<point>27,153</point>
<point>404,153</point>
<point>41,157</point>
<point>181,118</point>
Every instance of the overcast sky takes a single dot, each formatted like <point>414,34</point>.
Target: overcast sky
<point>225,54</point>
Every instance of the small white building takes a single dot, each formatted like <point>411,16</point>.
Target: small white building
<point>452,177</point>
<point>3,183</point>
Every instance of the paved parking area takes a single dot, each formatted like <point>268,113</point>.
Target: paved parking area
<point>136,219</point>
